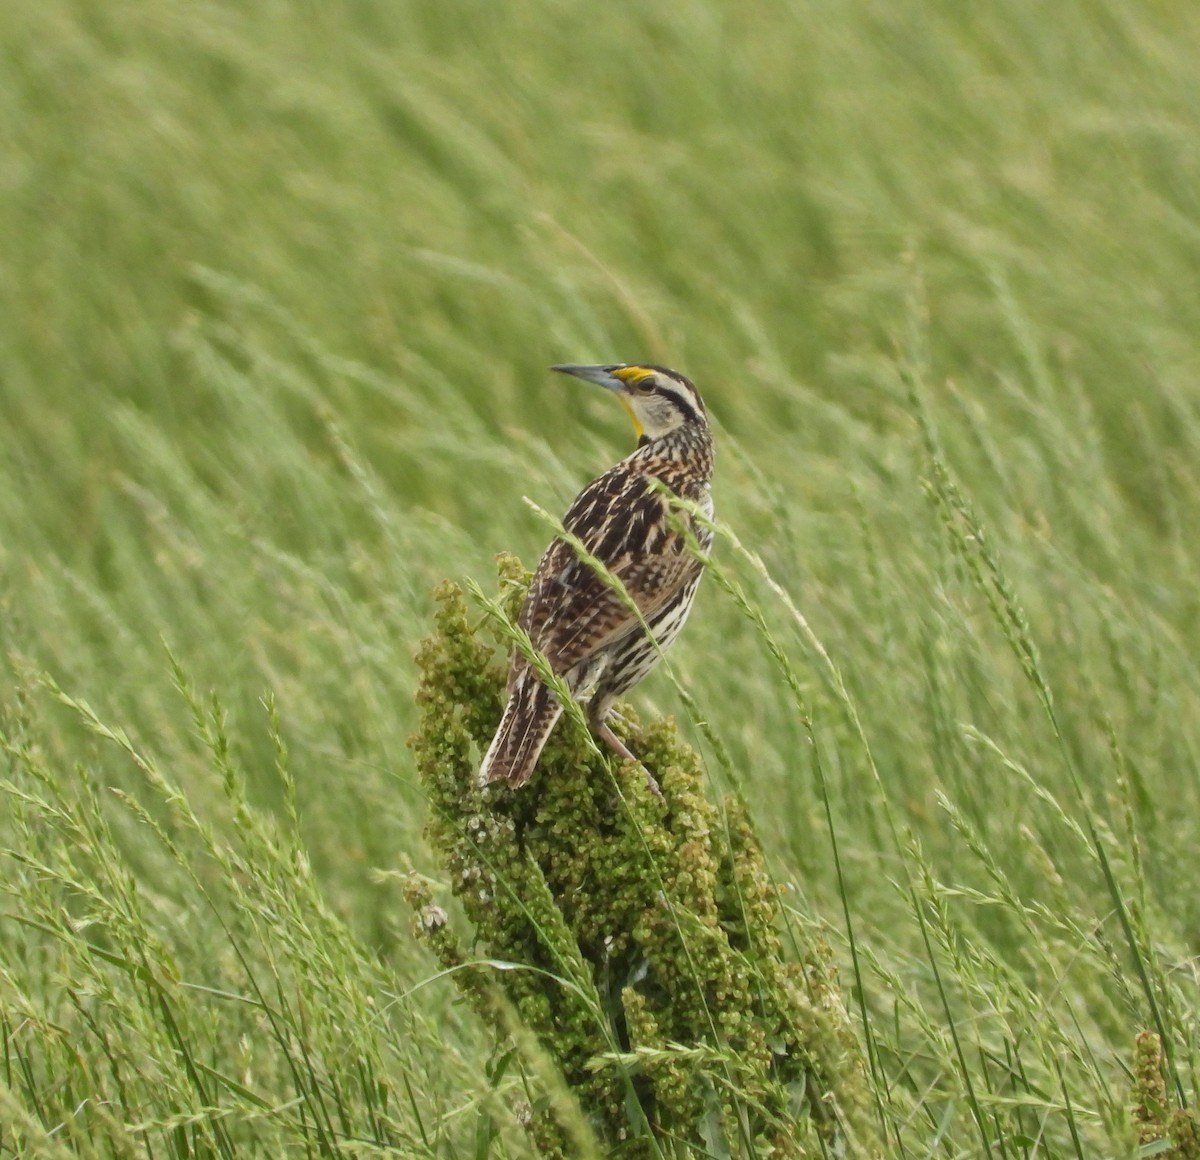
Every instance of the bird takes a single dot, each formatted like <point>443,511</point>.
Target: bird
<point>625,520</point>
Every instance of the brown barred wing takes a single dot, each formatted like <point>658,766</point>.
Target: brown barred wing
<point>571,612</point>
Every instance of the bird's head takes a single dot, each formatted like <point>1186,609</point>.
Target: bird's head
<point>658,400</point>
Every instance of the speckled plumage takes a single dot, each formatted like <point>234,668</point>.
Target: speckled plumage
<point>589,635</point>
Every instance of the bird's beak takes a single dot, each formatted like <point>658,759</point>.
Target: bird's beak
<point>601,376</point>
<point>604,376</point>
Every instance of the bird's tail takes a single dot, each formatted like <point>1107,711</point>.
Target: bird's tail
<point>524,730</point>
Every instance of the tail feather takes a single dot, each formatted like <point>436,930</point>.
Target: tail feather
<point>524,730</point>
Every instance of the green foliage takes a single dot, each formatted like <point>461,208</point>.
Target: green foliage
<point>277,285</point>
<point>1161,1131</point>
<point>168,988</point>
<point>636,936</point>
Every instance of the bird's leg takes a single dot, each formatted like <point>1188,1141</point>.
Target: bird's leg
<point>605,733</point>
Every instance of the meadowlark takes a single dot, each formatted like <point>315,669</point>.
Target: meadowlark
<point>574,616</point>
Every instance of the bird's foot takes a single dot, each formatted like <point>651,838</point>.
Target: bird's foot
<point>621,719</point>
<point>605,733</point>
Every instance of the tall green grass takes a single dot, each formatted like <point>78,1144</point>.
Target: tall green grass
<point>277,287</point>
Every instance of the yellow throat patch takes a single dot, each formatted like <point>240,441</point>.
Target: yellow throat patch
<point>631,375</point>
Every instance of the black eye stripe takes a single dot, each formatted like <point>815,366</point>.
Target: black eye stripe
<point>684,404</point>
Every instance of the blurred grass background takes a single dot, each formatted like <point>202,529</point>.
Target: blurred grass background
<point>278,285</point>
